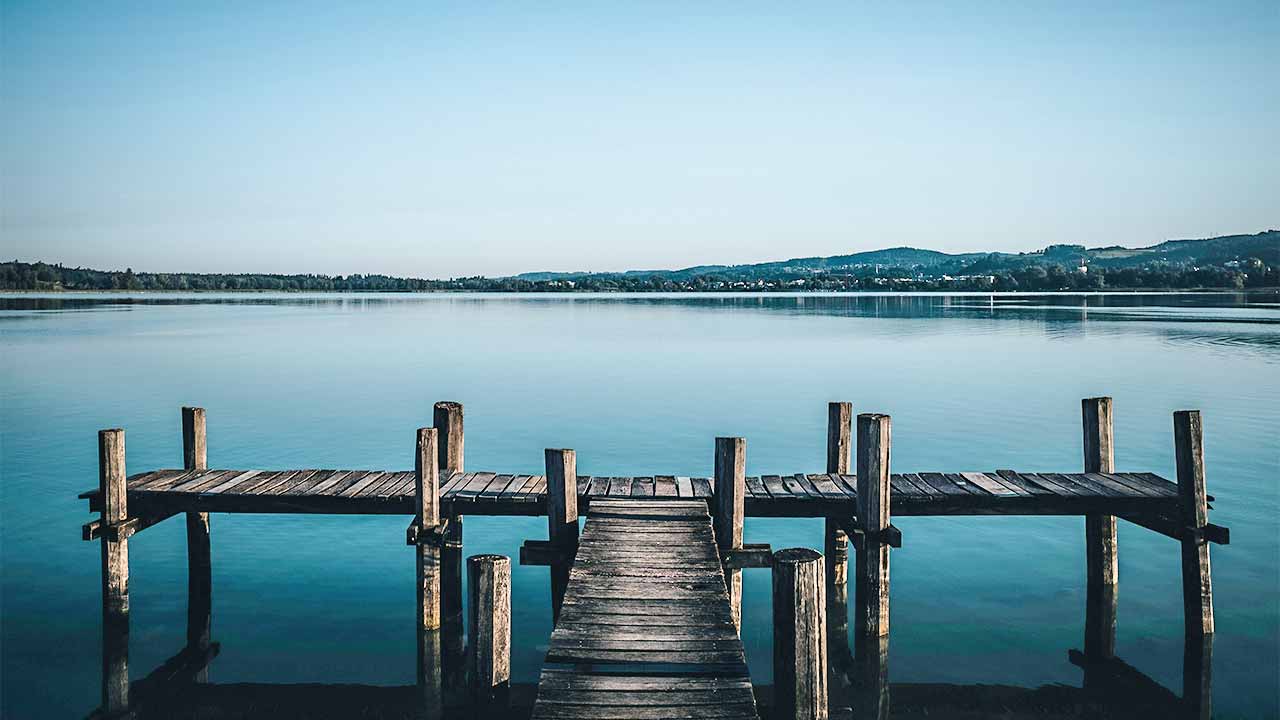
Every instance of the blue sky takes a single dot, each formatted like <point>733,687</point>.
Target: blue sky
<point>440,139</point>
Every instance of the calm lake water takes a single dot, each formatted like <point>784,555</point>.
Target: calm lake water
<point>637,385</point>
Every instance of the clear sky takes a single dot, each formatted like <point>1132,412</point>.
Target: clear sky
<point>439,139</point>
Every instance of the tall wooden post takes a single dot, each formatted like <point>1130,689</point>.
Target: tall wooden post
<point>1101,565</point>
<point>562,519</point>
<point>199,559</point>
<point>1197,582</point>
<point>447,420</point>
<point>489,627</point>
<point>729,511</point>
<point>836,543</point>
<point>115,574</point>
<point>1197,676</point>
<point>427,515</point>
<point>799,636</point>
<point>871,587</point>
<point>871,678</point>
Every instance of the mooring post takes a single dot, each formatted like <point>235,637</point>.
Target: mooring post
<point>799,635</point>
<point>562,519</point>
<point>836,543</point>
<point>115,574</point>
<point>447,420</point>
<point>871,678</point>
<point>427,516</point>
<point>1197,676</point>
<point>729,511</point>
<point>489,627</point>
<point>872,572</point>
<point>199,558</point>
<point>1101,565</point>
<point>1197,582</point>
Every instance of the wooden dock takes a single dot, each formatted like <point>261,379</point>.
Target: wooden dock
<point>646,627</point>
<point>647,596</point>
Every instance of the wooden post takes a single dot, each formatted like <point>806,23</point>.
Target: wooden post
<point>1101,566</point>
<point>199,559</point>
<point>447,420</point>
<point>429,676</point>
<point>562,519</point>
<point>427,511</point>
<point>115,574</point>
<point>1197,582</point>
<point>489,627</point>
<point>1197,676</point>
<point>836,543</point>
<point>872,572</point>
<point>871,677</point>
<point>799,636</point>
<point>729,511</point>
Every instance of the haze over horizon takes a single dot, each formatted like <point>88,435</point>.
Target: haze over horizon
<point>465,140</point>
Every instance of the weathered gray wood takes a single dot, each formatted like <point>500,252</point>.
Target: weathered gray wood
<point>730,510</point>
<point>1197,580</point>
<point>115,574</point>
<point>836,543</point>
<point>871,596</point>
<point>799,635</point>
<point>562,517</point>
<point>447,420</point>
<point>426,515</point>
<point>199,562</point>
<point>430,673</point>
<point>1101,564</point>
<point>489,626</point>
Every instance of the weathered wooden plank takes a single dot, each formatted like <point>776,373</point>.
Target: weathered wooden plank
<point>702,488</point>
<point>989,484</point>
<point>642,487</point>
<point>620,487</point>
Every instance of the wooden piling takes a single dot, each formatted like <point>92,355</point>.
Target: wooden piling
<point>1101,565</point>
<point>799,635</point>
<point>871,587</point>
<point>427,515</point>
<point>1197,582</point>
<point>870,693</point>
<point>199,559</point>
<point>562,519</point>
<point>729,511</point>
<point>115,574</point>
<point>447,418</point>
<point>489,627</point>
<point>836,543</point>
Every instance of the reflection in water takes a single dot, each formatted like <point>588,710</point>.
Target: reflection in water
<point>860,688</point>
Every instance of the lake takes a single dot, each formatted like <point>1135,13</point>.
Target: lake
<point>637,384</point>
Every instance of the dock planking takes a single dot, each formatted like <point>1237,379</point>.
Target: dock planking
<point>376,492</point>
<point>646,628</point>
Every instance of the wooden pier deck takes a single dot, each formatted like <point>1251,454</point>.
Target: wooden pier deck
<point>376,492</point>
<point>645,628</point>
<point>647,598</point>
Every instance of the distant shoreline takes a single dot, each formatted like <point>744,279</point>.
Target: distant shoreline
<point>570,291</point>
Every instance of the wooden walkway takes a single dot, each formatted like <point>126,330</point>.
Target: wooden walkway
<point>646,629</point>
<point>1003,492</point>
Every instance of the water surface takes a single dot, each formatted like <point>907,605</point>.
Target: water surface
<point>637,384</point>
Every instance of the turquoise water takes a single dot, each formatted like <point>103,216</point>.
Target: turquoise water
<point>637,385</point>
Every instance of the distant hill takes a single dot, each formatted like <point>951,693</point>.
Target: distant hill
<point>1229,262</point>
<point>1264,246</point>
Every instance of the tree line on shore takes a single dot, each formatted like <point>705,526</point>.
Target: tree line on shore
<point>1236,275</point>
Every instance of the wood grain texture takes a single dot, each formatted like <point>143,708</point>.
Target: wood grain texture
<point>1102,566</point>
<point>1197,580</point>
<point>871,588</point>
<point>799,635</point>
<point>489,625</point>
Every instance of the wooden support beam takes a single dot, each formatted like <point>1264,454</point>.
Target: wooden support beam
<point>115,574</point>
<point>1173,528</point>
<point>890,536</point>
<point>870,676</point>
<point>199,556</point>
<point>799,635</point>
<point>835,542</point>
<point>1197,580</point>
<point>430,679</point>
<point>750,555</point>
<point>562,518</point>
<point>447,420</point>
<point>489,628</point>
<point>542,553</point>
<point>427,515</point>
<point>871,596</point>
<point>729,511</point>
<point>1101,565</point>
